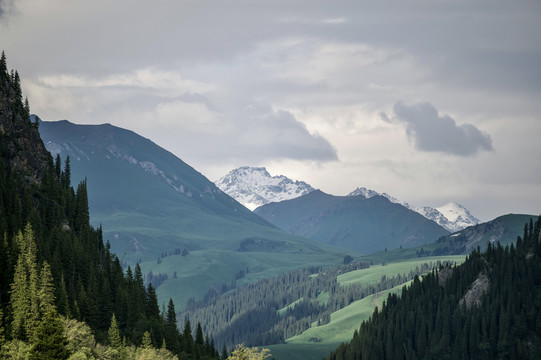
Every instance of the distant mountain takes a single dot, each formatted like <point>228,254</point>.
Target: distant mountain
<point>452,216</point>
<point>254,186</point>
<point>504,230</point>
<point>458,215</point>
<point>152,206</point>
<point>362,224</point>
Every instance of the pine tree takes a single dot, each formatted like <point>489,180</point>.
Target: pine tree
<point>199,337</point>
<point>24,289</point>
<point>171,318</point>
<point>66,175</point>
<point>46,291</point>
<point>152,309</point>
<point>50,343</point>
<point>146,342</point>
<point>114,334</point>
<point>20,300</point>
<point>3,65</point>
<point>187,338</point>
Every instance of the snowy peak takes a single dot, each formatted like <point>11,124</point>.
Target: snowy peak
<point>458,215</point>
<point>254,186</point>
<point>453,217</point>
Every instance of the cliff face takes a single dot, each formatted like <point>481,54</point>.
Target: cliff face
<point>20,144</point>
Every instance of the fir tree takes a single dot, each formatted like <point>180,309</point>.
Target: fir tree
<point>114,334</point>
<point>50,343</point>
<point>146,342</point>
<point>171,318</point>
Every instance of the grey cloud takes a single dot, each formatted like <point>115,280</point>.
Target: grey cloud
<point>432,132</point>
<point>196,126</point>
<point>271,134</point>
<point>5,7</point>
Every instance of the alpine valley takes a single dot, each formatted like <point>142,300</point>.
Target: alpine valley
<point>220,262</point>
<point>308,275</point>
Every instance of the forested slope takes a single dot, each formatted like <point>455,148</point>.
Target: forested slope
<point>487,308</point>
<point>54,266</point>
<point>274,310</point>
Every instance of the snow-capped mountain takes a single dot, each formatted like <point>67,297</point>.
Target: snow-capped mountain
<point>452,216</point>
<point>254,186</point>
<point>458,215</point>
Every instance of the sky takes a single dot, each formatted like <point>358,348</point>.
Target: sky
<point>429,101</point>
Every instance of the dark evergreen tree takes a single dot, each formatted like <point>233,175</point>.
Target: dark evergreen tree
<point>51,344</point>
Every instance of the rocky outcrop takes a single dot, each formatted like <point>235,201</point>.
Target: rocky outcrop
<point>444,274</point>
<point>479,287</point>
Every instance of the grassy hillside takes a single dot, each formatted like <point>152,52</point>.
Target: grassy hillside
<point>352,222</point>
<point>147,199</point>
<point>203,269</point>
<point>318,341</point>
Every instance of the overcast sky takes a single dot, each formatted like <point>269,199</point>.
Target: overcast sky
<point>429,101</point>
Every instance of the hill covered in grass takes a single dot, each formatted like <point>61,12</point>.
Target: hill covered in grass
<point>366,225</point>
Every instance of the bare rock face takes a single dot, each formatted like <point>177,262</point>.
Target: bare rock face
<point>479,287</point>
<point>444,274</point>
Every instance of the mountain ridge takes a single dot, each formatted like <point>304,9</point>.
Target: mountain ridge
<point>362,224</point>
<point>451,216</point>
<point>127,173</point>
<point>254,187</point>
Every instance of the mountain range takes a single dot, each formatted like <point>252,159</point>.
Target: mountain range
<point>254,187</point>
<point>154,207</point>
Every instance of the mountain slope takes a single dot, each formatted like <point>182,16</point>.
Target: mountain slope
<point>254,186</point>
<point>152,206</point>
<point>452,216</point>
<point>504,230</point>
<point>352,222</point>
<point>488,307</point>
<point>138,189</point>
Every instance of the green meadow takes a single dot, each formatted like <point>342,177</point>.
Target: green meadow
<point>202,269</point>
<point>318,341</point>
